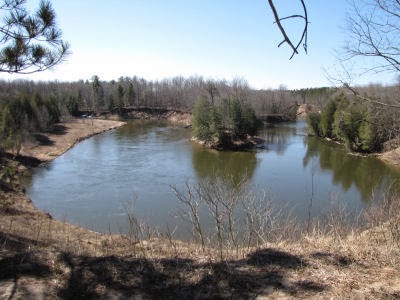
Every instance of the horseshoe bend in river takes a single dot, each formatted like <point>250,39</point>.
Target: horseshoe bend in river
<point>133,168</point>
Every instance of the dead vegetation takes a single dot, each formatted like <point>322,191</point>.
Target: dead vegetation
<point>44,258</point>
<point>49,145</point>
<point>257,257</point>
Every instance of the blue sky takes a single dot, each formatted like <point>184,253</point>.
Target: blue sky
<point>219,39</point>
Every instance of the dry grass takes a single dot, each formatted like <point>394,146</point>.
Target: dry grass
<point>44,258</point>
<point>392,157</point>
<point>49,145</point>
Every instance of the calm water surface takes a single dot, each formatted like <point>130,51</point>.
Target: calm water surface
<point>134,167</point>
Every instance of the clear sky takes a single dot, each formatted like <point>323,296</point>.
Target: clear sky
<point>218,39</point>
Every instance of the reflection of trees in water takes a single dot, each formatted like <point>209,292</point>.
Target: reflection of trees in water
<point>233,168</point>
<point>156,130</point>
<point>276,138</point>
<point>367,174</point>
<point>139,127</point>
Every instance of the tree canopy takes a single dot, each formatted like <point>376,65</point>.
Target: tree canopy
<point>29,42</point>
<point>220,123</point>
<point>363,128</point>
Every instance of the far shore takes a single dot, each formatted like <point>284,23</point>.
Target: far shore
<point>48,146</point>
<point>44,258</point>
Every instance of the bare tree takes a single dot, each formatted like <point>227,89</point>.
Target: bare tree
<point>373,27</point>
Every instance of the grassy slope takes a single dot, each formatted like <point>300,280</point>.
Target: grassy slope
<point>44,258</point>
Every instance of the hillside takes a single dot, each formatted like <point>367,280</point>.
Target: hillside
<point>41,257</point>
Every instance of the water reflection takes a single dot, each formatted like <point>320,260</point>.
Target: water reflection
<point>277,137</point>
<point>233,168</point>
<point>369,175</point>
<point>142,160</point>
<point>151,130</point>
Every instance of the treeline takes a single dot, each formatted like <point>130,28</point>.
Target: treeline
<point>177,93</point>
<point>24,114</point>
<point>62,99</point>
<point>361,126</point>
<point>27,106</point>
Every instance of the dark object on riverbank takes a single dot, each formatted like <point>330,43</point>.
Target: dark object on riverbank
<point>275,118</point>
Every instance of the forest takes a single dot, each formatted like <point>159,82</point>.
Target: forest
<point>27,107</point>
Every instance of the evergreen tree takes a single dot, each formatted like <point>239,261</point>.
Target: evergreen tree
<point>250,123</point>
<point>120,98</point>
<point>327,117</point>
<point>313,122</point>
<point>355,124</point>
<point>98,93</point>
<point>72,104</point>
<point>111,103</point>
<point>202,119</point>
<point>130,95</point>
<point>210,121</point>
<point>31,43</point>
<point>236,116</point>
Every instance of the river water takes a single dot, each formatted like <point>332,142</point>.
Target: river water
<point>134,167</point>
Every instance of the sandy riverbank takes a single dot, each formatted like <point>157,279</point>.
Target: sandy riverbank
<point>49,145</point>
<point>391,157</point>
<point>43,258</point>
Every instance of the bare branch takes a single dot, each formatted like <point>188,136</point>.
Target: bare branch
<point>369,99</point>
<point>373,28</point>
<point>286,39</point>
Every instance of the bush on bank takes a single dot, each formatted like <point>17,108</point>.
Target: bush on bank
<point>361,127</point>
<point>23,115</point>
<point>212,121</point>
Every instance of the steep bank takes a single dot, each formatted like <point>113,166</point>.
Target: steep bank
<point>391,157</point>
<point>178,117</point>
<point>45,258</point>
<point>42,258</point>
<point>49,145</point>
<point>392,152</point>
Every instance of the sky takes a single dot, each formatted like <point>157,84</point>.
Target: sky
<point>216,39</point>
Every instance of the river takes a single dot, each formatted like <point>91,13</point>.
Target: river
<point>134,167</point>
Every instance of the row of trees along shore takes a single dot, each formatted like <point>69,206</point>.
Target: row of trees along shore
<point>27,107</point>
<point>176,93</point>
<point>361,126</point>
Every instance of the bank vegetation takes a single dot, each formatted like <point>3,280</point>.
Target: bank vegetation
<point>263,254</point>
<point>367,127</point>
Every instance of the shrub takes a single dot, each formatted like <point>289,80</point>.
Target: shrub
<point>356,124</point>
<point>206,121</point>
<point>327,117</point>
<point>25,114</point>
<point>313,122</point>
<point>210,120</point>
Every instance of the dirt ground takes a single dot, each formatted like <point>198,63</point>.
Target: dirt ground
<point>44,258</point>
<point>63,136</point>
<point>391,157</point>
